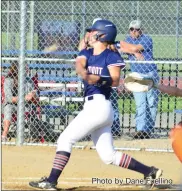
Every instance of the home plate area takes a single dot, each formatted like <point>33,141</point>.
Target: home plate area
<point>85,170</point>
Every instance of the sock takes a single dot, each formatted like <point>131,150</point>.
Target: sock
<point>132,164</point>
<point>59,163</point>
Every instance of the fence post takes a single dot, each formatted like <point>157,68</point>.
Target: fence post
<point>138,10</point>
<point>84,15</point>
<point>32,25</point>
<point>8,23</point>
<point>177,29</point>
<point>21,77</point>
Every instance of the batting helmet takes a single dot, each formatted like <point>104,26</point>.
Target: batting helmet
<point>106,28</point>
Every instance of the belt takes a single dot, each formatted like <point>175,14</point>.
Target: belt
<point>89,98</point>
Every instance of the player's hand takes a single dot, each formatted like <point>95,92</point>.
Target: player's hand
<point>86,38</point>
<point>139,56</point>
<point>87,35</point>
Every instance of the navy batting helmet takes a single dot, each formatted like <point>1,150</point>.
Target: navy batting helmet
<point>106,28</point>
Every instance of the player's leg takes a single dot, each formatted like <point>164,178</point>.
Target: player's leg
<point>103,141</point>
<point>76,130</point>
<point>87,121</point>
<point>94,115</point>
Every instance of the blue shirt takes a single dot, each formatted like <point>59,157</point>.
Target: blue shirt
<point>147,43</point>
<point>98,65</point>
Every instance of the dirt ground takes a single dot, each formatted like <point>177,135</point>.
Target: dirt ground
<point>85,170</point>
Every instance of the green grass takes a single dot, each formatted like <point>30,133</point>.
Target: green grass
<point>166,104</point>
<point>127,105</point>
<point>9,37</point>
<point>164,46</point>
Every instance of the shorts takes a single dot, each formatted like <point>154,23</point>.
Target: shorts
<point>9,110</point>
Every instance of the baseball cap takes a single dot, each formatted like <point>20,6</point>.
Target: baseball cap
<point>96,19</point>
<point>135,24</point>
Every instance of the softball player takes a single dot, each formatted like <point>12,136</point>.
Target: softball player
<point>116,127</point>
<point>99,67</point>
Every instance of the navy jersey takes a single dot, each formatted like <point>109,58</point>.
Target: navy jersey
<point>98,65</point>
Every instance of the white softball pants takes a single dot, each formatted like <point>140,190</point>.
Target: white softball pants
<point>96,119</point>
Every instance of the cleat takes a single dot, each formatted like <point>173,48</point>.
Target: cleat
<point>153,175</point>
<point>43,184</point>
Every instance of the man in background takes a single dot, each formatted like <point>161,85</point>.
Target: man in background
<point>139,47</point>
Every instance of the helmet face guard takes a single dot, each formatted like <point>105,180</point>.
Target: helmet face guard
<point>106,29</point>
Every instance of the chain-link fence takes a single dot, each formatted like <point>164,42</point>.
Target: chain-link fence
<point>39,44</point>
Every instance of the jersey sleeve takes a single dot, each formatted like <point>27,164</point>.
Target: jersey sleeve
<point>84,53</point>
<point>115,59</point>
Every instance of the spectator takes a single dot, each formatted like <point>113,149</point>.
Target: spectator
<point>139,46</point>
<point>116,128</point>
<point>10,100</point>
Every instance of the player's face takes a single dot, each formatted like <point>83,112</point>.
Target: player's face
<point>135,33</point>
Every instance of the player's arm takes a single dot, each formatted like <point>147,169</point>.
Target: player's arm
<point>82,45</point>
<point>115,65</point>
<point>115,73</point>
<point>80,66</point>
<point>112,80</point>
<point>174,91</point>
